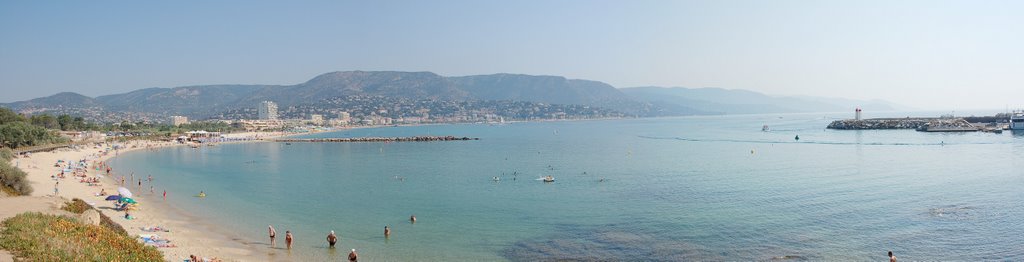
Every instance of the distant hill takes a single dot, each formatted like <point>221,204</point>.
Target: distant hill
<point>735,101</point>
<point>382,83</point>
<point>190,100</point>
<point>64,99</point>
<point>199,102</point>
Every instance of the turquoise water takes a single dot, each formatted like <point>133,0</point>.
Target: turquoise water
<point>692,188</point>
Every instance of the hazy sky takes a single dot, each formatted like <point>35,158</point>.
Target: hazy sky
<point>947,55</point>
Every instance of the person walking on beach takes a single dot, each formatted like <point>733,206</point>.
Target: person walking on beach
<point>165,194</point>
<point>56,191</point>
<point>352,256</point>
<point>332,239</point>
<point>892,258</point>
<point>288,238</point>
<point>272,232</point>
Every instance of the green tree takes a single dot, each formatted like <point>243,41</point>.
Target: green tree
<point>125,126</point>
<point>18,134</point>
<point>65,122</point>
<point>46,121</point>
<point>78,123</point>
<point>7,116</point>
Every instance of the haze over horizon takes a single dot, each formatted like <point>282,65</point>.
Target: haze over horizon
<point>942,55</point>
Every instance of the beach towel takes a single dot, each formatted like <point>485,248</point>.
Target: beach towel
<point>154,229</point>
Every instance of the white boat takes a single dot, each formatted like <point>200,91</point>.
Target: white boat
<point>1017,120</point>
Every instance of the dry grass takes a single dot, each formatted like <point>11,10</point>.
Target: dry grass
<point>39,237</point>
<point>79,206</point>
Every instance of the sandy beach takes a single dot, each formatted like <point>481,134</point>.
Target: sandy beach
<point>189,236</point>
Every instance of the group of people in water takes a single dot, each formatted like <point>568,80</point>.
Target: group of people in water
<point>332,238</point>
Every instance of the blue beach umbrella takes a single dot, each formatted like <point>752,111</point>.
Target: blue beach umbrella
<point>113,197</point>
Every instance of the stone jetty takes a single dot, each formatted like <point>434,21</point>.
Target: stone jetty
<point>879,123</point>
<point>919,124</point>
<point>378,139</point>
<point>948,125</point>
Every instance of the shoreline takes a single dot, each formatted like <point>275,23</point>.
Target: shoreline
<point>189,234</point>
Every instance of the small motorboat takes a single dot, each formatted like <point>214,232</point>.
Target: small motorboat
<point>549,179</point>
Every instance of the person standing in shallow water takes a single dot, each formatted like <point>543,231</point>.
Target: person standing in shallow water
<point>352,256</point>
<point>412,219</point>
<point>288,238</point>
<point>892,258</point>
<point>271,229</point>
<point>332,239</point>
<point>387,232</point>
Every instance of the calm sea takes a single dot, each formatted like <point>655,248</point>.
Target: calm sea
<point>666,189</point>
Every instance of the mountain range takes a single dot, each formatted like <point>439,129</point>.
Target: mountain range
<point>199,102</point>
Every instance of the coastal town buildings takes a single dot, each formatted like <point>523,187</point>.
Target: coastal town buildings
<point>316,119</point>
<point>179,120</point>
<point>344,117</point>
<point>268,110</point>
<point>257,125</point>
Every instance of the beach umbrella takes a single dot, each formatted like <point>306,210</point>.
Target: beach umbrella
<point>128,200</point>
<point>113,197</point>
<point>124,192</point>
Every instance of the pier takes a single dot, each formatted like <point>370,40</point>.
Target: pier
<point>378,139</point>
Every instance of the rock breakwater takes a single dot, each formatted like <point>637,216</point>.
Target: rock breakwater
<point>920,124</point>
<point>880,123</point>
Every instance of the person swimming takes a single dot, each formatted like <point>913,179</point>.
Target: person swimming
<point>412,219</point>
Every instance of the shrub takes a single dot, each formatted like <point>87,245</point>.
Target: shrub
<point>13,179</point>
<point>76,206</point>
<point>6,154</point>
<point>39,237</point>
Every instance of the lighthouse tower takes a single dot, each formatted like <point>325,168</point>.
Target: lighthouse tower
<point>857,114</point>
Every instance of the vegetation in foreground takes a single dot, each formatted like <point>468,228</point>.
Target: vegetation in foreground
<point>79,206</point>
<point>39,237</point>
<point>13,181</point>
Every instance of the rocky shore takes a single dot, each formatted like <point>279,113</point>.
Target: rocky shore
<point>379,139</point>
<point>948,125</point>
